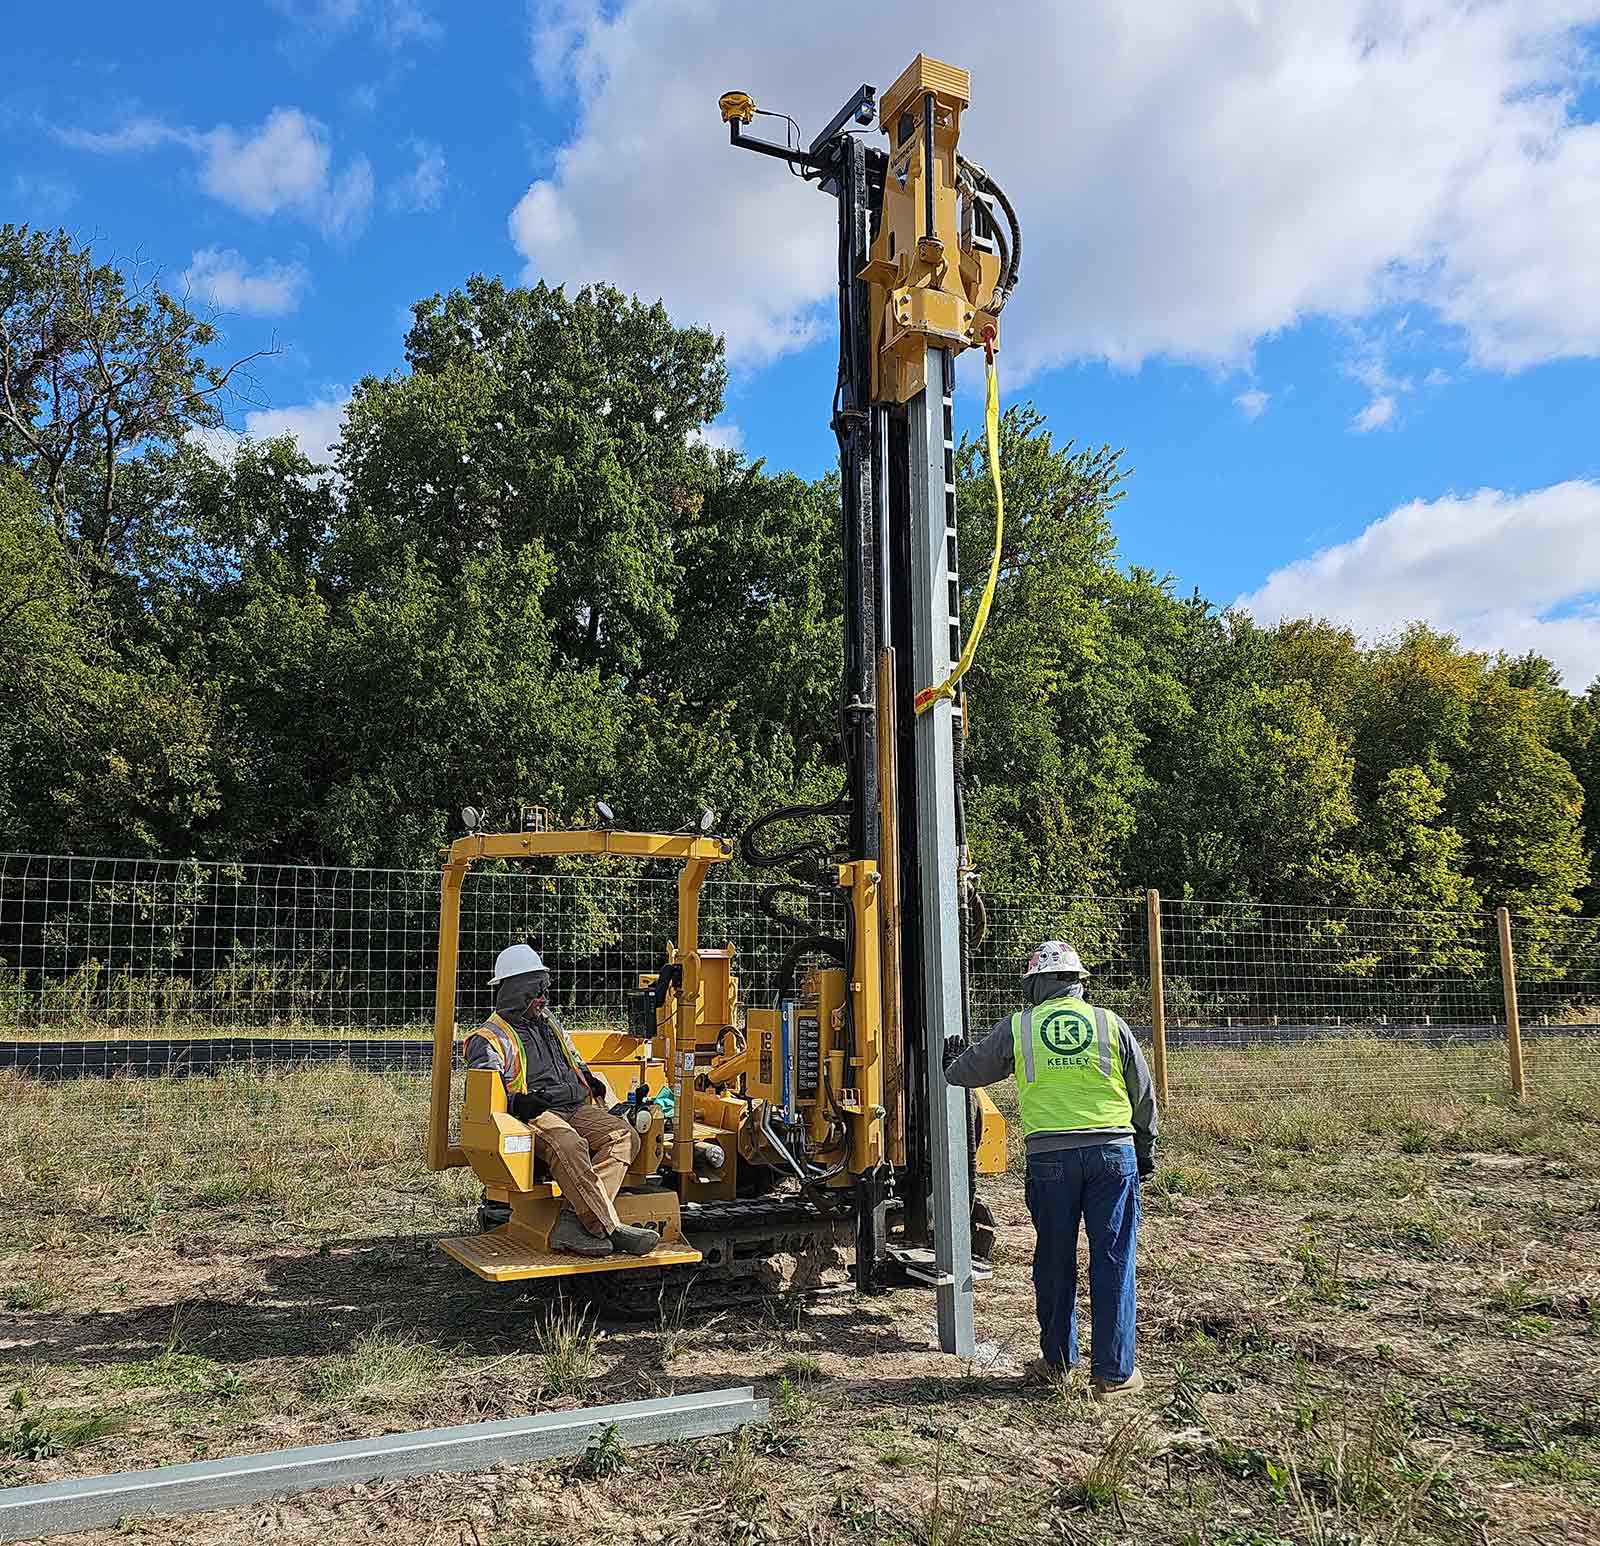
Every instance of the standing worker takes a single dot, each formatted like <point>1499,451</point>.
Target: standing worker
<point>586,1149</point>
<point>1089,1112</point>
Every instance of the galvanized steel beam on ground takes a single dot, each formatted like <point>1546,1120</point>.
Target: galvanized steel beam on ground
<point>94,1501</point>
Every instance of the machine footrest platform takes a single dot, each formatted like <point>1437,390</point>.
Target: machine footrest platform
<point>504,1258</point>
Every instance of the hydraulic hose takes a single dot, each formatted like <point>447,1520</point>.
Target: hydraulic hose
<point>812,853</point>
<point>818,944</point>
<point>767,902</point>
<point>1011,258</point>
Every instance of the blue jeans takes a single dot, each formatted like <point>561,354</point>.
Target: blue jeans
<point>1100,1186</point>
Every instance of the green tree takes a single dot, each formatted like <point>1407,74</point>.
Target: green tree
<point>1056,688</point>
<point>96,366</point>
<point>531,415</point>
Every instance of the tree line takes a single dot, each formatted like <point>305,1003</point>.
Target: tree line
<point>525,576</point>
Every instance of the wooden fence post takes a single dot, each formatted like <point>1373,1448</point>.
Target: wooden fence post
<point>1158,996</point>
<point>1508,982</point>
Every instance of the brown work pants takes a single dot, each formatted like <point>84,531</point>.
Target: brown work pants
<point>587,1152</point>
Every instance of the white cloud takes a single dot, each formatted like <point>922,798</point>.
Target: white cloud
<point>1252,402</point>
<point>1369,365</point>
<point>724,435</point>
<point>1377,413</point>
<point>42,196</point>
<point>223,279</point>
<point>405,21</point>
<point>421,190</point>
<point>393,23</point>
<point>136,134</point>
<point>1190,178</point>
<point>284,166</point>
<point>1509,572</point>
<point>315,427</point>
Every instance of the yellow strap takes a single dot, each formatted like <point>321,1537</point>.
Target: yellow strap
<point>947,688</point>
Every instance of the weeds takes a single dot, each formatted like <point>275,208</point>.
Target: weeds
<point>381,1363</point>
<point>1172,1181</point>
<point>741,1474</point>
<point>787,1404</point>
<point>1361,1469</point>
<point>801,1369</point>
<point>1317,1275</point>
<point>671,1316</point>
<point>604,1456</point>
<point>35,1293</point>
<point>177,1370</point>
<point>53,1433</point>
<point>1103,1483</point>
<point>565,1336</point>
<point>950,1518</point>
<point>1559,1462</point>
<point>1419,1227</point>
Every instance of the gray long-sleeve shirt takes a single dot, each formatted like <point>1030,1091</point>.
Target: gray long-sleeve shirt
<point>992,1059</point>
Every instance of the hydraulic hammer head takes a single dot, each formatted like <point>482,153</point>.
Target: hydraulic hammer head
<point>935,265</point>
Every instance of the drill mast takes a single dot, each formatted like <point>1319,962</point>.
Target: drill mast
<point>924,272</point>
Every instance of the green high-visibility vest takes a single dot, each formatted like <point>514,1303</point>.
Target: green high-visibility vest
<point>1069,1068</point>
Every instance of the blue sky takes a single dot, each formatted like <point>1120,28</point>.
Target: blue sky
<point>1328,271</point>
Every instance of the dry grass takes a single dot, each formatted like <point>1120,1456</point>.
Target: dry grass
<point>1364,1319</point>
<point>565,1336</point>
<point>382,1363</point>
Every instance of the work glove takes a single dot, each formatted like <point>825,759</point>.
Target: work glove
<point>596,1085</point>
<point>1147,1164</point>
<point>954,1046</point>
<point>526,1107</point>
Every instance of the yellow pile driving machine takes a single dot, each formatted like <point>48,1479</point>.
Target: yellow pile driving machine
<point>825,1111</point>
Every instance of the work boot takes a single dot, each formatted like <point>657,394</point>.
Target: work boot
<point>1037,1372</point>
<point>573,1236</point>
<point>635,1239</point>
<point>1107,1390</point>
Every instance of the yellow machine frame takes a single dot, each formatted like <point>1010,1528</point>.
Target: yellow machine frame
<point>714,1063</point>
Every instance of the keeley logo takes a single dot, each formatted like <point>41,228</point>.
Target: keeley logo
<point>1065,1034</point>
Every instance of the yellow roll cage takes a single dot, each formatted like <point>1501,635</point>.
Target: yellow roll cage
<point>695,852</point>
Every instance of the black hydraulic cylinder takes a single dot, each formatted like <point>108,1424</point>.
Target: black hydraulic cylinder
<point>853,425</point>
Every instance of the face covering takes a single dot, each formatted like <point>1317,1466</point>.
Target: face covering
<point>520,998</point>
<point>1043,986</point>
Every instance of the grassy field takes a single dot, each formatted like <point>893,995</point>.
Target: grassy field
<point>1370,1312</point>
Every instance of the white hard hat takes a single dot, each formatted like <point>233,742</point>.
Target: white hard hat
<point>1054,956</point>
<point>514,960</point>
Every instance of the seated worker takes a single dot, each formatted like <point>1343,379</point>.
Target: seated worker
<point>586,1150</point>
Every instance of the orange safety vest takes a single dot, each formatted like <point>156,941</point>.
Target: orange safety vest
<point>514,1061</point>
<point>504,1037</point>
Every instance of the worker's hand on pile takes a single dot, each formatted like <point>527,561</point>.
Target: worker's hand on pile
<point>954,1046</point>
<point>1147,1164</point>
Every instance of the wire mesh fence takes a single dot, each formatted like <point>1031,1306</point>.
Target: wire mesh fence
<point>129,949</point>
<point>1264,999</point>
<point>1558,996</point>
<point>179,966</point>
